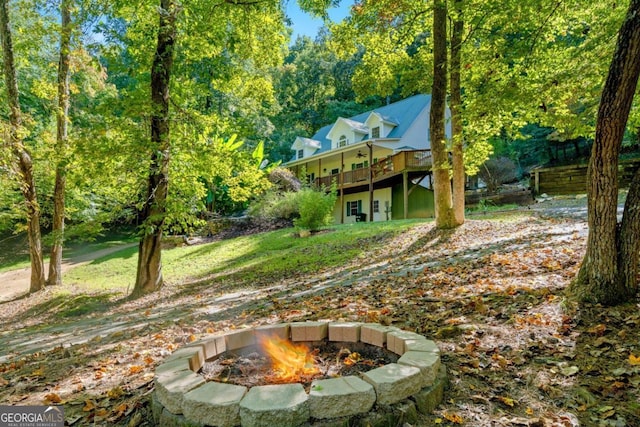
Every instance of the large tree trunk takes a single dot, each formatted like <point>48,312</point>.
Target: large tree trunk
<point>598,278</point>
<point>23,164</point>
<point>456,115</point>
<point>55,261</point>
<point>629,241</point>
<point>149,275</point>
<point>442,182</point>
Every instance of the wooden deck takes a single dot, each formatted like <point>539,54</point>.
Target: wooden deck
<point>387,168</point>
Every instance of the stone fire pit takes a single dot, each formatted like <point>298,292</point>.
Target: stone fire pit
<point>381,396</point>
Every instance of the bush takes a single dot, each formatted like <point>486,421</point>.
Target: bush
<point>308,208</point>
<point>315,208</point>
<point>275,206</point>
<point>497,171</point>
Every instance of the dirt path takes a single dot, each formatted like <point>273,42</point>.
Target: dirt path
<point>15,283</point>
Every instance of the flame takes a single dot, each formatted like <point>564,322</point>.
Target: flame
<point>289,361</point>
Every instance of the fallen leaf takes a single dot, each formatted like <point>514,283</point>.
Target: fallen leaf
<point>453,418</point>
<point>634,360</point>
<point>568,371</point>
<point>52,398</point>
<point>507,401</point>
<point>115,393</point>
<point>134,369</point>
<point>192,338</point>
<point>89,406</point>
<point>597,330</point>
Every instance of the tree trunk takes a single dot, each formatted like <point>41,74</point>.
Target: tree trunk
<point>442,182</point>
<point>149,274</point>
<point>629,241</point>
<point>62,140</point>
<point>456,116</point>
<point>598,278</point>
<point>23,164</point>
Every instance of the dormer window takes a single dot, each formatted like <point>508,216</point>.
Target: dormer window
<point>300,154</point>
<point>342,142</point>
<point>375,132</point>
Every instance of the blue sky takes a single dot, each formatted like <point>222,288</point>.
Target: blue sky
<point>305,25</point>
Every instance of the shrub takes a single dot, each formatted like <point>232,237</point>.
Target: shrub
<point>315,208</point>
<point>497,171</point>
<point>275,206</point>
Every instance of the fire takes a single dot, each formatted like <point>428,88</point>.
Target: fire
<point>289,361</point>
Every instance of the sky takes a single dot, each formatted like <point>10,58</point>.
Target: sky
<point>304,24</point>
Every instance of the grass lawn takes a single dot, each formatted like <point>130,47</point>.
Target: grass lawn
<point>265,255</point>
<point>14,252</point>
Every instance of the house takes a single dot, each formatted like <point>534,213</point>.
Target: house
<point>380,161</point>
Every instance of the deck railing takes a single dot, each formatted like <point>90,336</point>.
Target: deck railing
<point>414,159</point>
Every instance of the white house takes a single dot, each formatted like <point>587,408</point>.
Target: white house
<point>380,160</point>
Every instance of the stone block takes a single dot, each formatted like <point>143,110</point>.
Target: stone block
<point>168,419</point>
<point>428,399</point>
<point>197,360</point>
<point>375,334</point>
<point>282,405</point>
<point>183,352</point>
<point>214,404</point>
<point>156,409</point>
<point>173,366</point>
<point>421,345</point>
<point>396,340</point>
<point>240,339</point>
<point>170,389</point>
<point>340,397</point>
<point>428,363</point>
<point>212,345</point>
<point>280,330</point>
<point>394,382</point>
<point>344,331</point>
<point>308,331</point>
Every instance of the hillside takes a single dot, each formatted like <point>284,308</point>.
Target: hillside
<point>490,293</point>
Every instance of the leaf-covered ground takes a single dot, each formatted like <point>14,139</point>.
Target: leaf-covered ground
<point>490,293</point>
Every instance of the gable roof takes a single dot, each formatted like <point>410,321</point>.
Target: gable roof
<point>307,142</point>
<point>402,113</point>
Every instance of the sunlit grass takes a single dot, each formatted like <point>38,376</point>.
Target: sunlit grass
<point>276,254</point>
<point>17,256</point>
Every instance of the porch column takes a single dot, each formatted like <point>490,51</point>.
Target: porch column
<point>405,192</point>
<point>341,206</point>
<point>370,182</point>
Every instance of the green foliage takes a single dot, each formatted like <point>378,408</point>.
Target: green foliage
<point>274,206</point>
<point>315,208</point>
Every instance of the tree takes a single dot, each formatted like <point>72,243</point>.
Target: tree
<point>149,272</point>
<point>23,165</point>
<point>608,274</point>
<point>62,141</point>
<point>441,182</point>
<point>455,103</point>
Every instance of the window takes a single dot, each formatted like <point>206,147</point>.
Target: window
<point>300,154</point>
<point>354,208</point>
<point>311,177</point>
<point>342,142</point>
<point>335,171</point>
<point>375,132</point>
<point>376,206</point>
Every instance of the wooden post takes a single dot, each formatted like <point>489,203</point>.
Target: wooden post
<point>370,182</point>
<point>405,192</point>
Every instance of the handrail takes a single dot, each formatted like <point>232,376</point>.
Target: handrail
<point>387,166</point>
